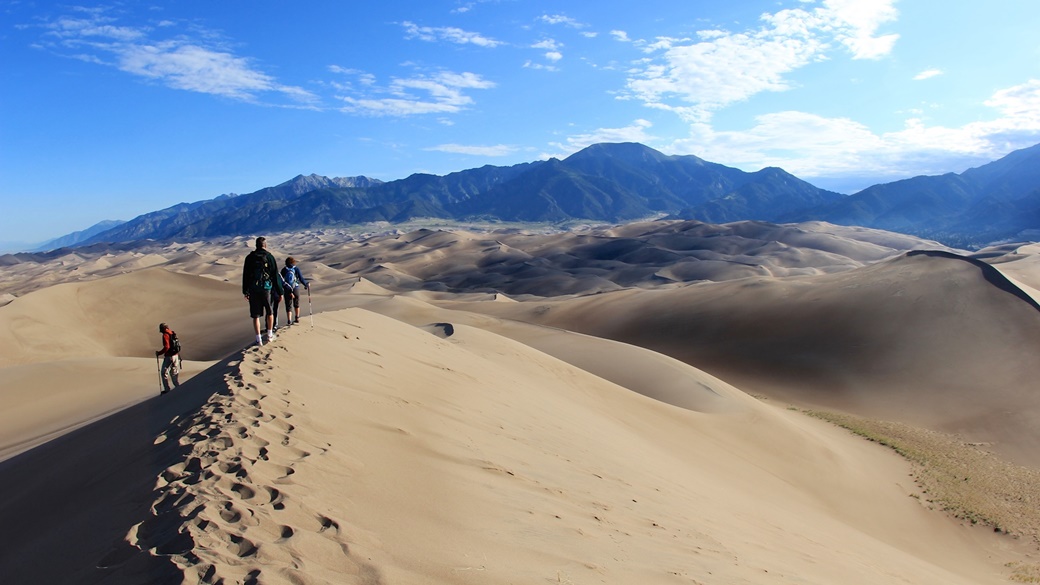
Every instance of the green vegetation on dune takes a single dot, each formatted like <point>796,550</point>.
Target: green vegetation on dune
<point>960,478</point>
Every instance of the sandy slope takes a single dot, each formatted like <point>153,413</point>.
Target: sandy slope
<point>923,339</point>
<point>366,450</point>
<point>376,448</point>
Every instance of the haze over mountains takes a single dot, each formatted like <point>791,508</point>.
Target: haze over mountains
<point>617,183</point>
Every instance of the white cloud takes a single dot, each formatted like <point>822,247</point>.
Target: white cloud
<point>1020,103</point>
<point>552,48</point>
<point>927,74</point>
<point>620,35</point>
<point>857,23</point>
<point>195,68</point>
<point>442,93</point>
<point>179,63</point>
<point>95,25</point>
<point>532,65</point>
<point>812,146</point>
<point>495,150</point>
<point>561,19</point>
<point>696,79</point>
<point>450,34</point>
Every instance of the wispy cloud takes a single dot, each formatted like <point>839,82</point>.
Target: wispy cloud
<point>561,19</point>
<point>542,66</point>
<point>440,93</point>
<point>1020,105</point>
<point>473,150</point>
<point>928,73</point>
<point>181,63</point>
<point>696,78</point>
<point>449,34</point>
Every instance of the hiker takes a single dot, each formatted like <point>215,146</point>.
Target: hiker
<point>260,280</point>
<point>276,301</point>
<point>171,364</point>
<point>293,278</point>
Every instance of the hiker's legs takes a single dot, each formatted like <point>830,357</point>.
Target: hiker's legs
<point>165,373</point>
<point>260,307</point>
<point>175,370</point>
<point>275,301</point>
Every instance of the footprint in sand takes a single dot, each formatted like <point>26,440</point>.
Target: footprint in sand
<point>230,514</point>
<point>277,499</point>
<point>242,547</point>
<point>245,492</point>
<point>328,524</point>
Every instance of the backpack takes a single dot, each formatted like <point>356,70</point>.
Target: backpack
<point>175,344</point>
<point>290,277</point>
<point>261,274</point>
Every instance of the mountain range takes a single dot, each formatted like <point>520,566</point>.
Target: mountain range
<point>619,182</point>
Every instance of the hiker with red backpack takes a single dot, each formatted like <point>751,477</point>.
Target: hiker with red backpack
<point>171,364</point>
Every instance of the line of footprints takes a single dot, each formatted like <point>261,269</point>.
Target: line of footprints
<point>226,513</point>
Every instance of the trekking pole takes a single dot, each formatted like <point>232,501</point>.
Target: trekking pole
<point>310,306</point>
<point>158,367</point>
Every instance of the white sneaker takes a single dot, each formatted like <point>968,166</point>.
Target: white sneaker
<point>271,336</point>
<point>259,340</point>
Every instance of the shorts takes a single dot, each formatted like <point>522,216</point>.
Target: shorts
<point>260,303</point>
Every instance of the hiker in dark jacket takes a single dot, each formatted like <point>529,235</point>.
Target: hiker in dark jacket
<point>171,364</point>
<point>260,280</point>
<point>293,279</point>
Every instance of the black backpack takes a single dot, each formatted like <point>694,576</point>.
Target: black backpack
<point>175,344</point>
<point>261,272</point>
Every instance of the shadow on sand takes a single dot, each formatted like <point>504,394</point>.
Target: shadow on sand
<point>69,504</point>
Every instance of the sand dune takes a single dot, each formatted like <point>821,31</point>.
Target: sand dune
<point>923,339</point>
<point>367,450</point>
<point>514,262</point>
<point>478,407</point>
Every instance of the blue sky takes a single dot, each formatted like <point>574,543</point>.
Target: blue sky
<point>111,110</point>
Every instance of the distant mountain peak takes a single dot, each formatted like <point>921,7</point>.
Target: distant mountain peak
<point>627,151</point>
<point>619,182</point>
